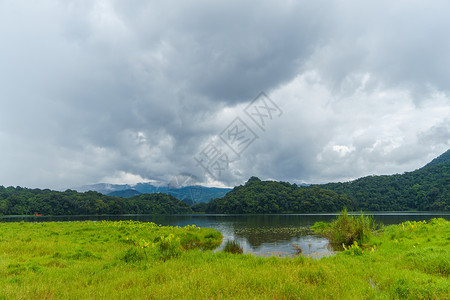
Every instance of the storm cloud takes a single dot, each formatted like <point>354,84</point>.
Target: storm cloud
<point>124,92</point>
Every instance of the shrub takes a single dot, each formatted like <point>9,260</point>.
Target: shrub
<point>354,249</point>
<point>346,230</point>
<point>169,246</point>
<point>233,247</point>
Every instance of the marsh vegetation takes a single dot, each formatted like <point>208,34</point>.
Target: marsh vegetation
<point>113,260</point>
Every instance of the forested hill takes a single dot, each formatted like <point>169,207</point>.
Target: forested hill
<point>442,159</point>
<point>427,188</point>
<point>258,196</point>
<point>23,201</point>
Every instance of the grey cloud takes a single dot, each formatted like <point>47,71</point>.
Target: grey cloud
<point>438,134</point>
<point>94,88</point>
<point>401,45</point>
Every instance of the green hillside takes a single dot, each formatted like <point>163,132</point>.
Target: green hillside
<point>442,159</point>
<point>427,188</point>
<point>258,196</point>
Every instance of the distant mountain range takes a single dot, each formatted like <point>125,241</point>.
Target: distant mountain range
<point>190,194</point>
<point>125,193</point>
<point>427,188</point>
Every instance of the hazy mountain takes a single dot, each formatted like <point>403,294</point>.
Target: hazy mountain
<point>125,193</point>
<point>196,193</point>
<point>104,188</point>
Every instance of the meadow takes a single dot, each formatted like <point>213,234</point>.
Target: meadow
<point>135,260</point>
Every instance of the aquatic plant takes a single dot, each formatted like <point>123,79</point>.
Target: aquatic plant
<point>233,247</point>
<point>298,249</point>
<point>346,229</point>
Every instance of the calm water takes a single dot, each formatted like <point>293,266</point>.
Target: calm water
<point>263,235</point>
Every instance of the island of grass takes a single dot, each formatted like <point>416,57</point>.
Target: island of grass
<point>134,260</point>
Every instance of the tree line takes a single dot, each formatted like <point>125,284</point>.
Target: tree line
<point>425,189</point>
<point>258,196</point>
<point>24,201</point>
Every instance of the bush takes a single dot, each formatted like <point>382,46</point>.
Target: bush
<point>346,230</point>
<point>164,248</point>
<point>169,246</point>
<point>354,249</point>
<point>233,247</point>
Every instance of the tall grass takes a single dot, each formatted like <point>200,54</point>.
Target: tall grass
<point>233,247</point>
<point>346,229</point>
<point>95,260</point>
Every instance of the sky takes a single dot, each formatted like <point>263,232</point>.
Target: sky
<point>142,91</point>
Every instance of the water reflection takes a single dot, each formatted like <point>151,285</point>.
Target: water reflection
<point>258,234</point>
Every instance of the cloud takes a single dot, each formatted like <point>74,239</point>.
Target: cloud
<point>96,90</point>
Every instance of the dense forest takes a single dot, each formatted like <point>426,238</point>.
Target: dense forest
<point>427,188</point>
<point>258,196</point>
<point>23,201</point>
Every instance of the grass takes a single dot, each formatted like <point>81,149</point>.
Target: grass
<point>347,230</point>
<point>123,260</point>
<point>233,247</point>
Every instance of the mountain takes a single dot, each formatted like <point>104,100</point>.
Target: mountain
<point>192,194</point>
<point>198,193</point>
<point>125,193</point>
<point>103,188</point>
<point>427,188</point>
<point>258,196</point>
<point>442,159</point>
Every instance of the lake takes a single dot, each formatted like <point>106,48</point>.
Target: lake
<point>261,235</point>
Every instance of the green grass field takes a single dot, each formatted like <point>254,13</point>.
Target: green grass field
<point>132,260</point>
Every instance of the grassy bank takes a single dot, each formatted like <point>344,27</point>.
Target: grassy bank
<point>141,260</point>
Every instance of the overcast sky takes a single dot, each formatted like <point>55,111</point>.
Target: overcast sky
<point>133,91</point>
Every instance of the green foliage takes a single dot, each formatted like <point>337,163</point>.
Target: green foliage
<point>258,196</point>
<point>233,247</point>
<point>116,260</point>
<point>169,247</point>
<point>164,248</point>
<point>22,201</point>
<point>200,207</point>
<point>427,188</point>
<point>353,249</point>
<point>320,226</point>
<point>347,230</point>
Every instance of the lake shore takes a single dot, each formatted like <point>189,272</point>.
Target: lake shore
<point>82,260</point>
